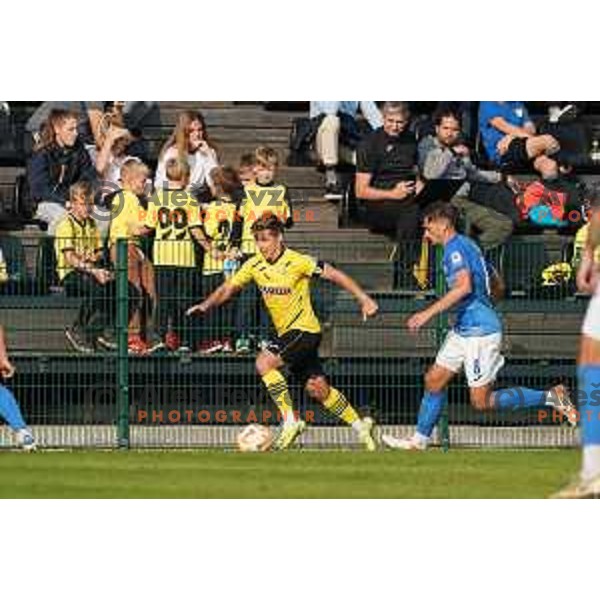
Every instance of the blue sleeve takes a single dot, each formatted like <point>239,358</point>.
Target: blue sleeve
<point>456,261</point>
<point>526,117</point>
<point>487,111</point>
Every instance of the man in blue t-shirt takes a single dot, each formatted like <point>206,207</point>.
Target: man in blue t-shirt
<point>474,343</point>
<point>510,139</point>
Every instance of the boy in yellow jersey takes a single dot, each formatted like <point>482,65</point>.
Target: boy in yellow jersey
<point>78,249</point>
<point>283,278</point>
<point>128,222</point>
<point>264,196</point>
<point>219,260</point>
<point>174,215</point>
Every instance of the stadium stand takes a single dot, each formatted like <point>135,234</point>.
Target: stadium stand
<point>380,362</point>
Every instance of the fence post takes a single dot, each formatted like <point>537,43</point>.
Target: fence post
<point>122,328</point>
<point>441,327</point>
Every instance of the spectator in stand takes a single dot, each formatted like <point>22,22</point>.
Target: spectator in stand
<point>510,139</point>
<point>221,258</point>
<point>78,249</point>
<point>246,169</point>
<point>59,160</point>
<point>189,142</point>
<point>334,117</point>
<point>387,182</point>
<point>174,216</point>
<point>128,222</point>
<point>486,202</point>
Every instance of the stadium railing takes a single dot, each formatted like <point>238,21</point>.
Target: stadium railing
<point>109,398</point>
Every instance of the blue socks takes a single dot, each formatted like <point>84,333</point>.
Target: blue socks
<point>515,398</point>
<point>9,409</point>
<point>589,404</point>
<point>429,414</point>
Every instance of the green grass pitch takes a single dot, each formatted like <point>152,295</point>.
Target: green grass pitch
<point>218,474</point>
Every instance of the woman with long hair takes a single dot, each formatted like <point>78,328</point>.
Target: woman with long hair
<point>189,143</point>
<point>59,160</point>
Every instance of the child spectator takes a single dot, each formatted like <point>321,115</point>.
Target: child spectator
<point>220,259</point>
<point>59,160</point>
<point>189,143</point>
<point>128,218</point>
<point>262,196</point>
<point>246,169</point>
<point>78,249</point>
<point>174,215</point>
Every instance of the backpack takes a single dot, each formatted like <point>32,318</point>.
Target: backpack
<point>542,206</point>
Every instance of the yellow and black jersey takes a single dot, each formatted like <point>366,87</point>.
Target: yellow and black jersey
<point>218,220</point>
<point>83,237</point>
<point>126,212</point>
<point>173,214</point>
<point>259,199</point>
<point>285,288</point>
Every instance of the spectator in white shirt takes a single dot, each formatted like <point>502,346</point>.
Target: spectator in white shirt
<point>189,143</point>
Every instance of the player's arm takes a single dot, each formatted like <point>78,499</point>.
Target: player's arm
<point>462,287</point>
<point>224,292</point>
<point>587,274</point>
<point>497,285</point>
<point>7,369</point>
<point>219,297</point>
<point>368,306</point>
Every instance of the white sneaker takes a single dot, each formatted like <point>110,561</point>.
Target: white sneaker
<point>411,443</point>
<point>26,440</point>
<point>580,489</point>
<point>558,398</point>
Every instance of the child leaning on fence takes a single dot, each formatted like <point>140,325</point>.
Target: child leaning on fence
<point>174,215</point>
<point>221,258</point>
<point>128,215</point>
<point>78,250</point>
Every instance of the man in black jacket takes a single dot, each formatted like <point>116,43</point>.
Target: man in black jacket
<point>59,161</point>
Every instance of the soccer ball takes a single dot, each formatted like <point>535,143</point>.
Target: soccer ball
<point>255,438</point>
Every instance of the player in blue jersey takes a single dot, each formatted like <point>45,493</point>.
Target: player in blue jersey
<point>474,343</point>
<point>9,409</point>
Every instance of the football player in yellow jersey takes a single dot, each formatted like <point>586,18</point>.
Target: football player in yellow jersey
<point>128,222</point>
<point>78,250</point>
<point>283,277</point>
<point>174,216</point>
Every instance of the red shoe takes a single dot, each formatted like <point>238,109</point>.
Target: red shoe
<point>136,345</point>
<point>211,347</point>
<point>172,341</point>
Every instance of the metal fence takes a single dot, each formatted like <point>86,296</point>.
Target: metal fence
<point>199,395</point>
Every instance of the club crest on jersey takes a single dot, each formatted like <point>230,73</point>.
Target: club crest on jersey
<point>456,258</point>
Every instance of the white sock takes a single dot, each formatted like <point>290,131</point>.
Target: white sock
<point>591,462</point>
<point>357,425</point>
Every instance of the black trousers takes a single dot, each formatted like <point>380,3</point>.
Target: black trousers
<point>177,289</point>
<point>401,221</point>
<point>97,310</point>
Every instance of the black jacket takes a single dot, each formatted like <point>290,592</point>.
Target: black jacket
<point>53,170</point>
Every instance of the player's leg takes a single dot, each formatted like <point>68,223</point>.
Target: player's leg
<point>449,361</point>
<point>436,381</point>
<point>268,365</point>
<point>587,484</point>
<point>11,413</point>
<point>336,403</point>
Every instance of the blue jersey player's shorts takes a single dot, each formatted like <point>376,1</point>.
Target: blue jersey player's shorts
<point>480,357</point>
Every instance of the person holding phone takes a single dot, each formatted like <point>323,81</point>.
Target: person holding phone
<point>387,180</point>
